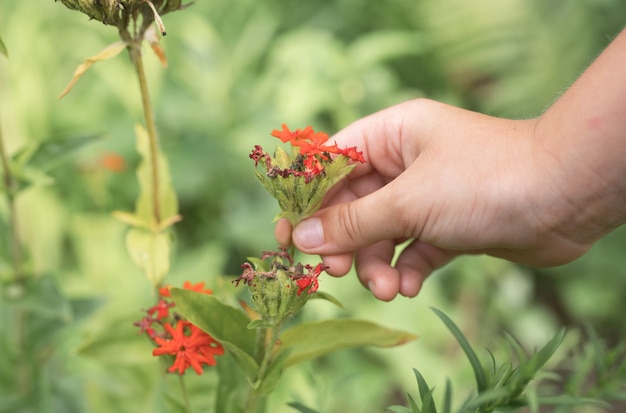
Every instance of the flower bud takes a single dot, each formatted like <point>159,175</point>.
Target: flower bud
<point>277,287</point>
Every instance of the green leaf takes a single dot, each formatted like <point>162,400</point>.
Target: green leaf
<point>310,340</point>
<point>3,48</point>
<point>50,153</point>
<point>399,409</point>
<point>301,408</point>
<point>538,359</point>
<point>426,394</point>
<point>226,324</point>
<point>447,397</point>
<point>273,374</point>
<point>259,323</point>
<point>328,297</point>
<point>479,373</point>
<point>150,251</point>
<point>168,202</point>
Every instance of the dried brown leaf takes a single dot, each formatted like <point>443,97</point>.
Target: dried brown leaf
<point>108,52</point>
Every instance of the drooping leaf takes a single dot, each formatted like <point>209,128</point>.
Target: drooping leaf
<point>226,324</point>
<point>108,52</point>
<point>167,200</point>
<point>150,251</point>
<point>310,340</point>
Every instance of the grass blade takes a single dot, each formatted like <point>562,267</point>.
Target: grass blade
<point>479,373</point>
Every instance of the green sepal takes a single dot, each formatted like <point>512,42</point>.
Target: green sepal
<point>260,323</point>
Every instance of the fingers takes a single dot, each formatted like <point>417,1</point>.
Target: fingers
<point>375,271</point>
<point>416,262</point>
<point>350,226</point>
<point>282,232</point>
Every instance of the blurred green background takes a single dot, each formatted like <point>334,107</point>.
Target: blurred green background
<point>237,70</point>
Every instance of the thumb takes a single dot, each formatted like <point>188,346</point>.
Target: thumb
<point>353,225</point>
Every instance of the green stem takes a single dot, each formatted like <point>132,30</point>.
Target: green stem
<point>137,59</point>
<point>185,393</point>
<point>9,184</point>
<point>255,402</point>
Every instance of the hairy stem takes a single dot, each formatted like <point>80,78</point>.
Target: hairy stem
<point>255,402</point>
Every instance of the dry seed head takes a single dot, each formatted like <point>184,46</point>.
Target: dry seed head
<point>120,12</point>
<point>106,11</point>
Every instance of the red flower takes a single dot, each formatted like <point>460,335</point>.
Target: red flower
<point>190,350</point>
<point>312,143</point>
<point>145,326</point>
<point>309,280</point>
<point>161,309</point>
<point>285,135</point>
<point>353,154</point>
<point>187,285</point>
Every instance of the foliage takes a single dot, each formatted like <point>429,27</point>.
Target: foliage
<point>237,68</point>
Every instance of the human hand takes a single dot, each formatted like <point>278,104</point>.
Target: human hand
<point>451,181</point>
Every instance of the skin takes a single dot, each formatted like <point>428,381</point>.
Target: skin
<point>539,192</point>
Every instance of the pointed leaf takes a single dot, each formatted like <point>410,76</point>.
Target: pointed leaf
<point>399,409</point>
<point>108,52</point>
<point>479,374</point>
<point>301,408</point>
<point>226,324</point>
<point>130,219</point>
<point>168,203</point>
<point>150,251</point>
<point>259,323</point>
<point>328,297</point>
<point>3,48</point>
<point>310,340</point>
<point>426,393</point>
<point>50,153</point>
<point>447,397</point>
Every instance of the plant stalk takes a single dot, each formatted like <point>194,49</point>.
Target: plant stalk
<point>9,184</point>
<point>254,402</point>
<point>185,393</point>
<point>134,49</point>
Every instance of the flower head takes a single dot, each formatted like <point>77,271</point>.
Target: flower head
<point>276,284</point>
<point>191,347</point>
<point>300,180</point>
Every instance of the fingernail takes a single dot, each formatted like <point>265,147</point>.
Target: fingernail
<point>309,233</point>
<point>371,286</point>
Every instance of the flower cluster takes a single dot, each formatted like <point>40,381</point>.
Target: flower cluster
<point>311,169</point>
<point>277,284</point>
<point>174,336</point>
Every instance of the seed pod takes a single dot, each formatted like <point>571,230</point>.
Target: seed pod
<point>106,11</point>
